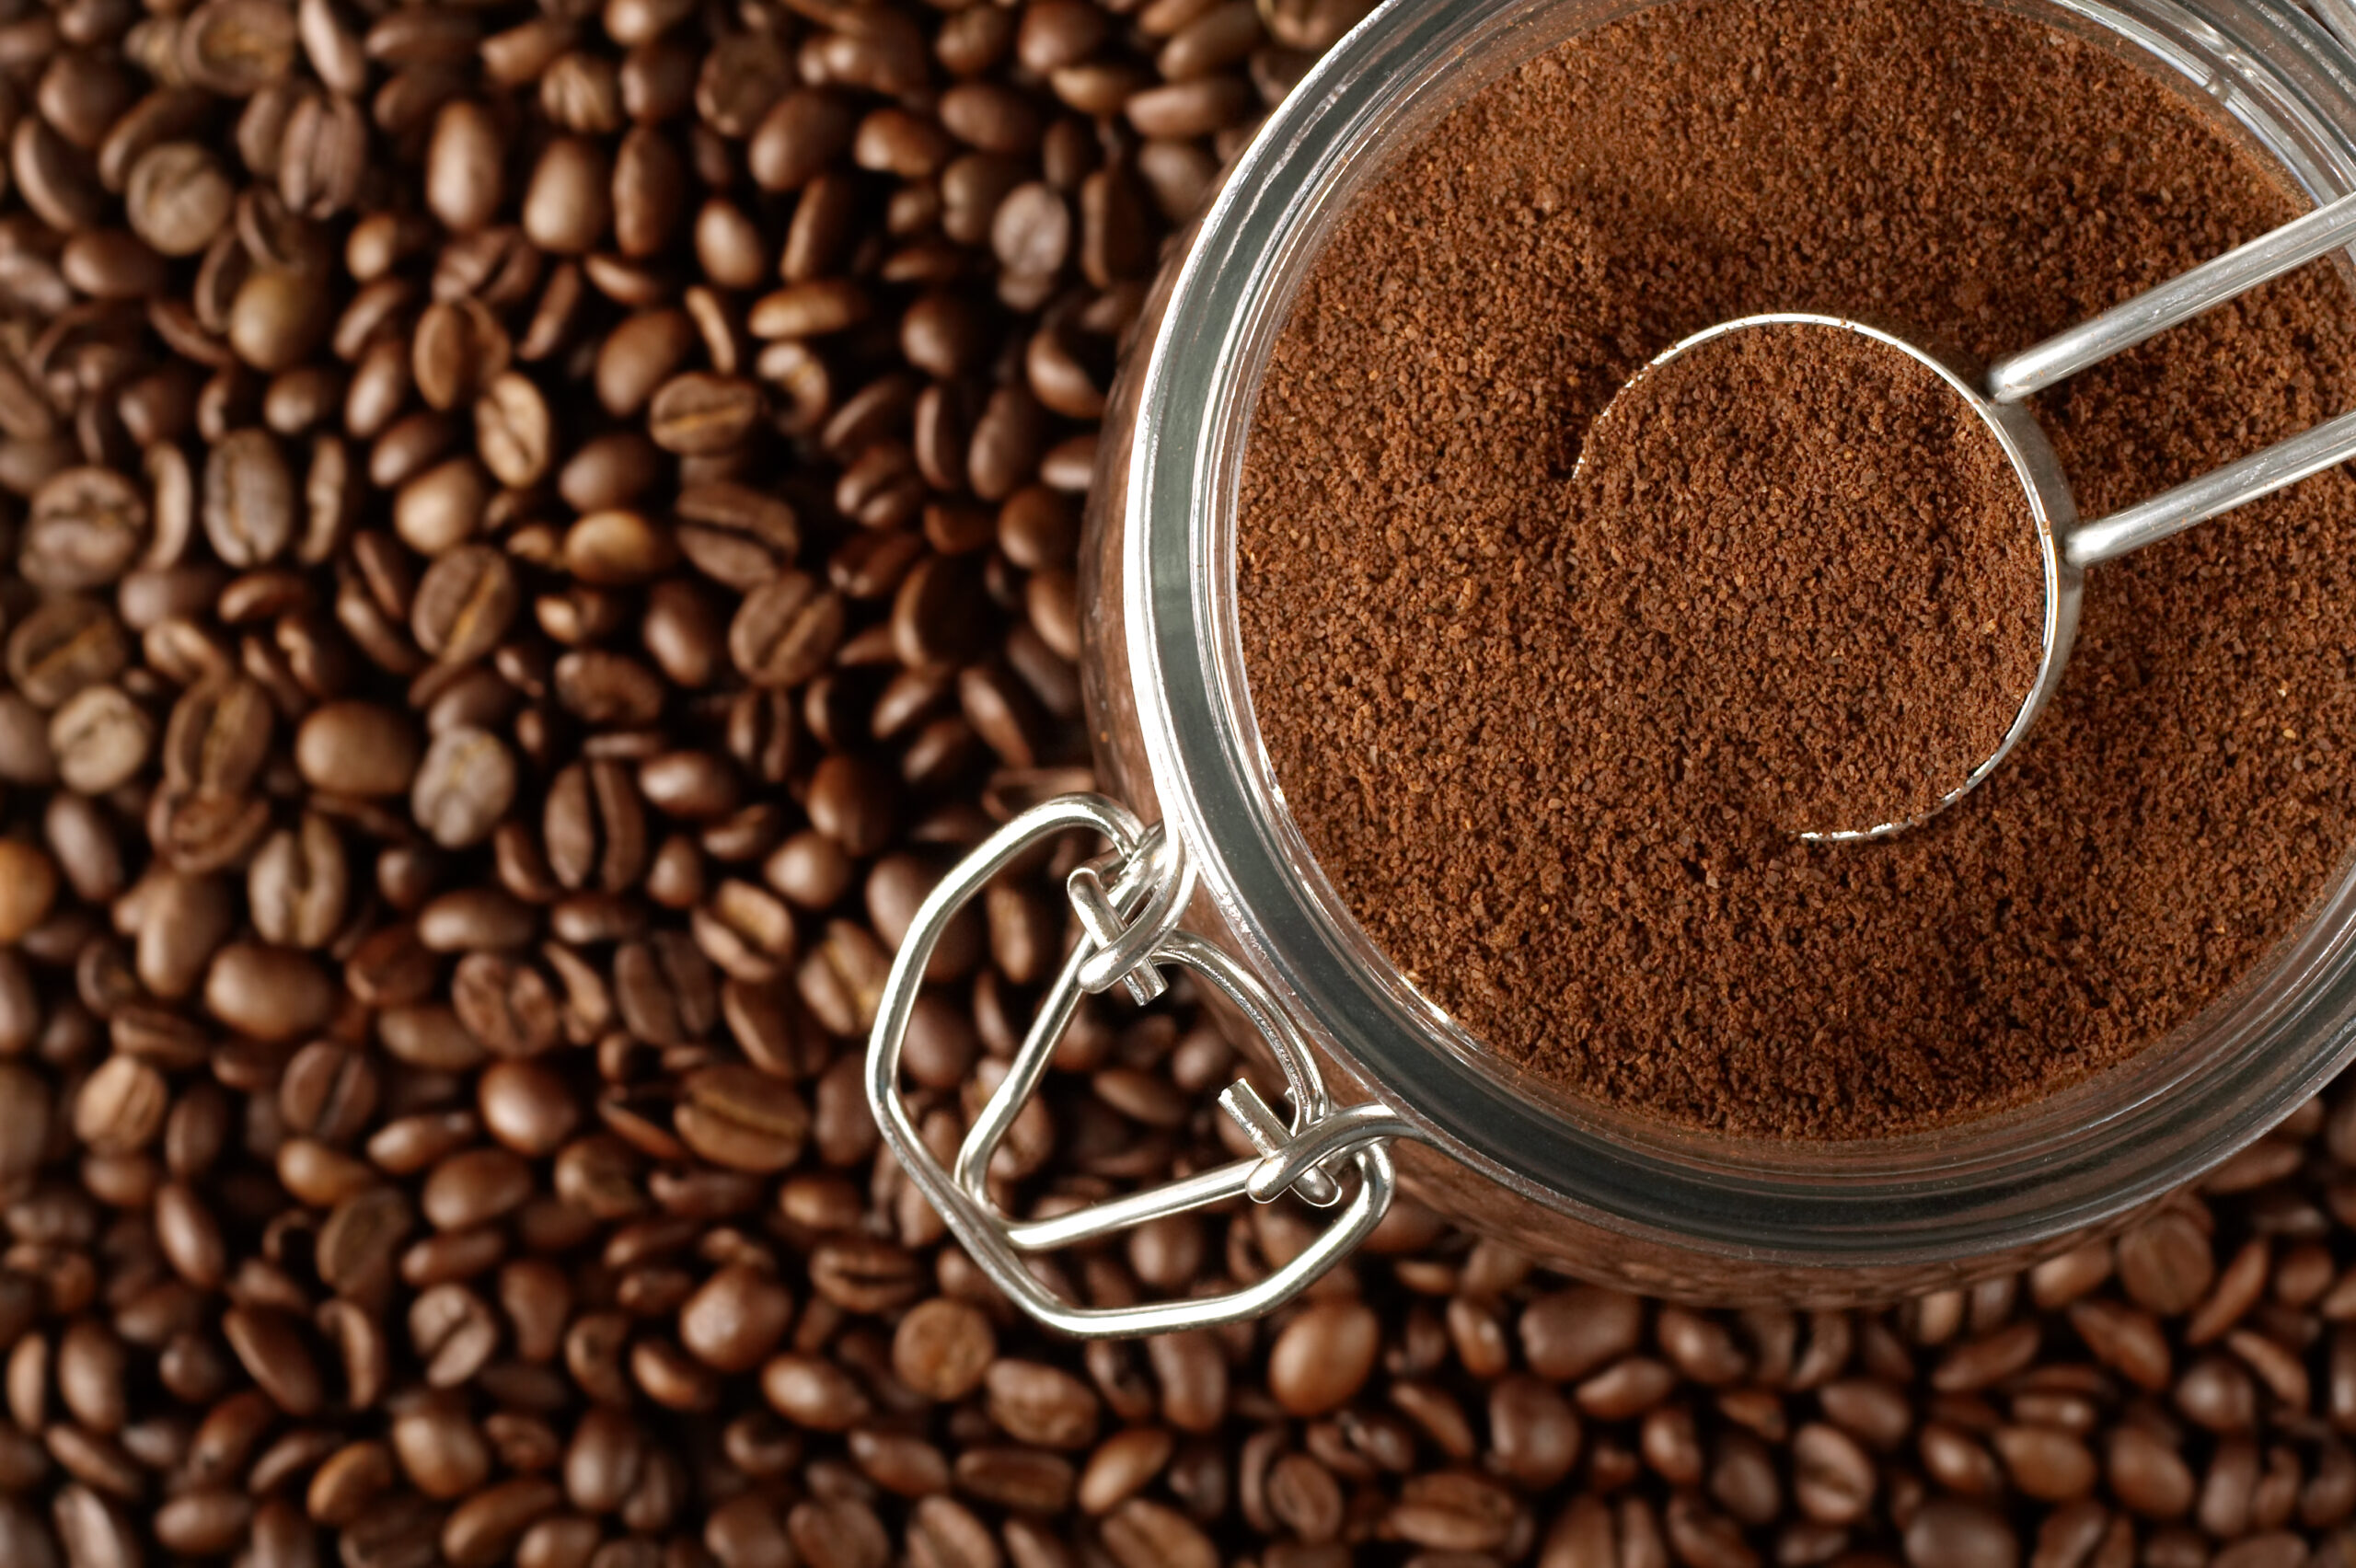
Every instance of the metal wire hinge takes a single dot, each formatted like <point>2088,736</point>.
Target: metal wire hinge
<point>1128,901</point>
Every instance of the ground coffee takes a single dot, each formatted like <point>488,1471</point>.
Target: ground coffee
<point>1441,675</point>
<point>1814,570</point>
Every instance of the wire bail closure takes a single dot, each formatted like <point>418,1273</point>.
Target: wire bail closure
<point>1129,902</point>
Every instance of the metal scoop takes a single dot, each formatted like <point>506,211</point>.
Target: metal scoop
<point>2068,545</point>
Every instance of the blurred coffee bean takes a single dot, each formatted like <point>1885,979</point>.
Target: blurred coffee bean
<point>357,748</point>
<point>943,1348</point>
<point>735,1318</point>
<point>1322,1356</point>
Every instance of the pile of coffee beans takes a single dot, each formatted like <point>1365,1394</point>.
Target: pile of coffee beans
<point>531,537</point>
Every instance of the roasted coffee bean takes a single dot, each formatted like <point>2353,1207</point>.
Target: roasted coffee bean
<point>568,199</point>
<point>786,631</point>
<point>937,616</point>
<point>464,604</point>
<point>357,748</point>
<point>440,1451</point>
<point>741,1119</point>
<point>527,1107</point>
<point>327,1092</point>
<point>453,1333</point>
<point>512,430</point>
<point>1036,1404</point>
<point>1567,1334</point>
<point>82,531</point>
<point>57,179</point>
<point>277,318</point>
<point>1951,1534</point>
<point>92,1530</point>
<point>28,889</point>
<point>616,550</point>
<point>65,647</point>
<point>1534,1432</point>
<point>664,989</point>
<point>699,414</point>
<point>506,1005</point>
<point>299,884</point>
<point>693,786</point>
<point>274,994</point>
<point>608,471</point>
<point>121,1107</point>
<point>459,349</point>
<point>1030,231</point>
<point>470,1189</point>
<point>943,1348</point>
<point>736,536</point>
<point>218,736</point>
<point>476,920</point>
<point>1323,1357</point>
<point>177,197</point>
<point>464,786</point>
<point>1028,1480</point>
<point>357,1241</point>
<point>851,803</point>
<point>638,356</point>
<point>2166,1263</point>
<point>735,1318</point>
<point>1141,1531</point>
<point>813,1393</point>
<point>595,828</point>
<point>101,739</point>
<point>463,165</point>
<point>609,690</point>
<point>271,1349</point>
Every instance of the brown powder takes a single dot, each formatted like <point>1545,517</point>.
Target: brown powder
<point>1815,570</point>
<point>1493,780</point>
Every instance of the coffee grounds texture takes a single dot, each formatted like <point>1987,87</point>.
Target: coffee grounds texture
<point>1435,670</point>
<point>1812,563</point>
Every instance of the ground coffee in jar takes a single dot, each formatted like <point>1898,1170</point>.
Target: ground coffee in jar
<point>1804,555</point>
<point>1549,831</point>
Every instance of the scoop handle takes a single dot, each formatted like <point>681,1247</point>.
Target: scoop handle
<point>2219,490</point>
<point>2153,311</point>
<point>2181,299</point>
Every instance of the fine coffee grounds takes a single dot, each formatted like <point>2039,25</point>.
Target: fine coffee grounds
<point>1441,679</point>
<point>1815,566</point>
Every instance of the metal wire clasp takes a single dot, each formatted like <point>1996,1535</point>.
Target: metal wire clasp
<point>1129,902</point>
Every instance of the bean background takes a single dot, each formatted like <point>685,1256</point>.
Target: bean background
<point>532,537</point>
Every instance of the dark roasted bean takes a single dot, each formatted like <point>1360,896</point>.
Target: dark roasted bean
<point>2165,1263</point>
<point>1323,1357</point>
<point>1568,1334</point>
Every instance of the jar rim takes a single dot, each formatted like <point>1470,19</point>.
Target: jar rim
<point>1998,1182</point>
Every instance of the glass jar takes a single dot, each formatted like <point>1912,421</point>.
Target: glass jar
<point>1576,1184</point>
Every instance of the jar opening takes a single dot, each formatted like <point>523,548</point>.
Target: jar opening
<point>1992,1183</point>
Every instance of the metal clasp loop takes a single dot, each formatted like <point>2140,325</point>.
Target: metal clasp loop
<point>1129,902</point>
